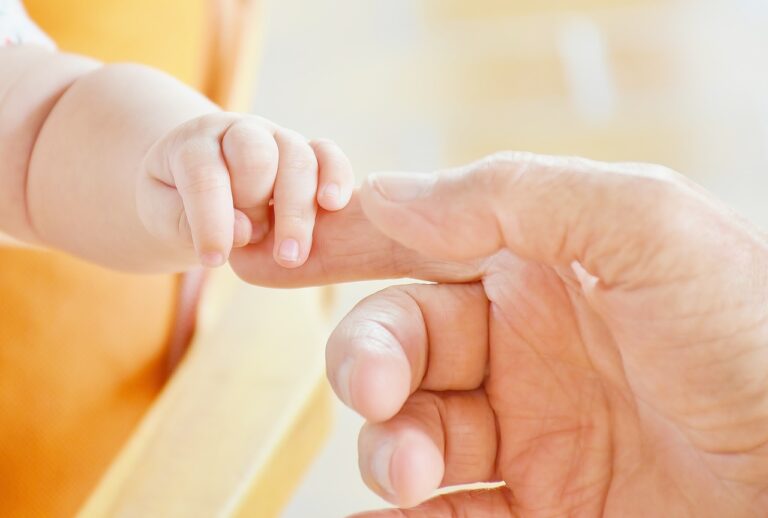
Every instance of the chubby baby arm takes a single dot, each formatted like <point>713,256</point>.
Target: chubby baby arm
<point>124,166</point>
<point>31,82</point>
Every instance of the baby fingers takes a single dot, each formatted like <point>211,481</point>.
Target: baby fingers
<point>185,196</point>
<point>210,183</point>
<point>252,156</point>
<point>294,199</point>
<point>336,179</point>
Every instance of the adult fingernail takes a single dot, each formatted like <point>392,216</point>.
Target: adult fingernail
<point>212,259</point>
<point>332,192</point>
<point>402,187</point>
<point>381,463</point>
<point>344,381</point>
<point>289,250</point>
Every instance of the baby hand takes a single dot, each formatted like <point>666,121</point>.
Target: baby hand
<point>209,184</point>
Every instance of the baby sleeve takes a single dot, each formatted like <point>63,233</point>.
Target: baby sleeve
<point>17,29</point>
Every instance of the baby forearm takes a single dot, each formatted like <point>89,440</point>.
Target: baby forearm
<point>84,164</point>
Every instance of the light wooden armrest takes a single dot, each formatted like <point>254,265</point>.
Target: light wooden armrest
<point>240,419</point>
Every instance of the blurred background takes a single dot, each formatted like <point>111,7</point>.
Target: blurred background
<point>425,84</point>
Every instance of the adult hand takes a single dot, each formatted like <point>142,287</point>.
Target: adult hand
<point>607,353</point>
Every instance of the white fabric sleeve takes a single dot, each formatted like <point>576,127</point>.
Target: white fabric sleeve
<point>17,29</point>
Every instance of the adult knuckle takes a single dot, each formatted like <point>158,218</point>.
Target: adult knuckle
<point>498,171</point>
<point>659,187</point>
<point>666,205</point>
<point>398,297</point>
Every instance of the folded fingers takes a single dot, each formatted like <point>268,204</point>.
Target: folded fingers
<point>438,439</point>
<point>405,338</point>
<point>252,157</point>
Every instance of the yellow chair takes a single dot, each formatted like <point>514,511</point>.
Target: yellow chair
<point>91,421</point>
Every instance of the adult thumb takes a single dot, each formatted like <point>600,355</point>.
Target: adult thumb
<point>554,210</point>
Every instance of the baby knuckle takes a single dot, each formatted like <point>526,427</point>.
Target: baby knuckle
<point>253,149</point>
<point>240,134</point>
<point>325,143</point>
<point>202,179</point>
<point>295,214</point>
<point>209,123</point>
<point>261,161</point>
<point>193,152</point>
<point>301,163</point>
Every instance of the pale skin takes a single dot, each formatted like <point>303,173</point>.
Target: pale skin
<point>597,342</point>
<point>126,167</point>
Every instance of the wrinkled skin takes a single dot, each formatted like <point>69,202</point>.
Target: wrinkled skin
<point>598,342</point>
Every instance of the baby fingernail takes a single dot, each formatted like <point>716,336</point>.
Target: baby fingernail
<point>381,464</point>
<point>344,381</point>
<point>402,187</point>
<point>212,259</point>
<point>289,250</point>
<point>332,191</point>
